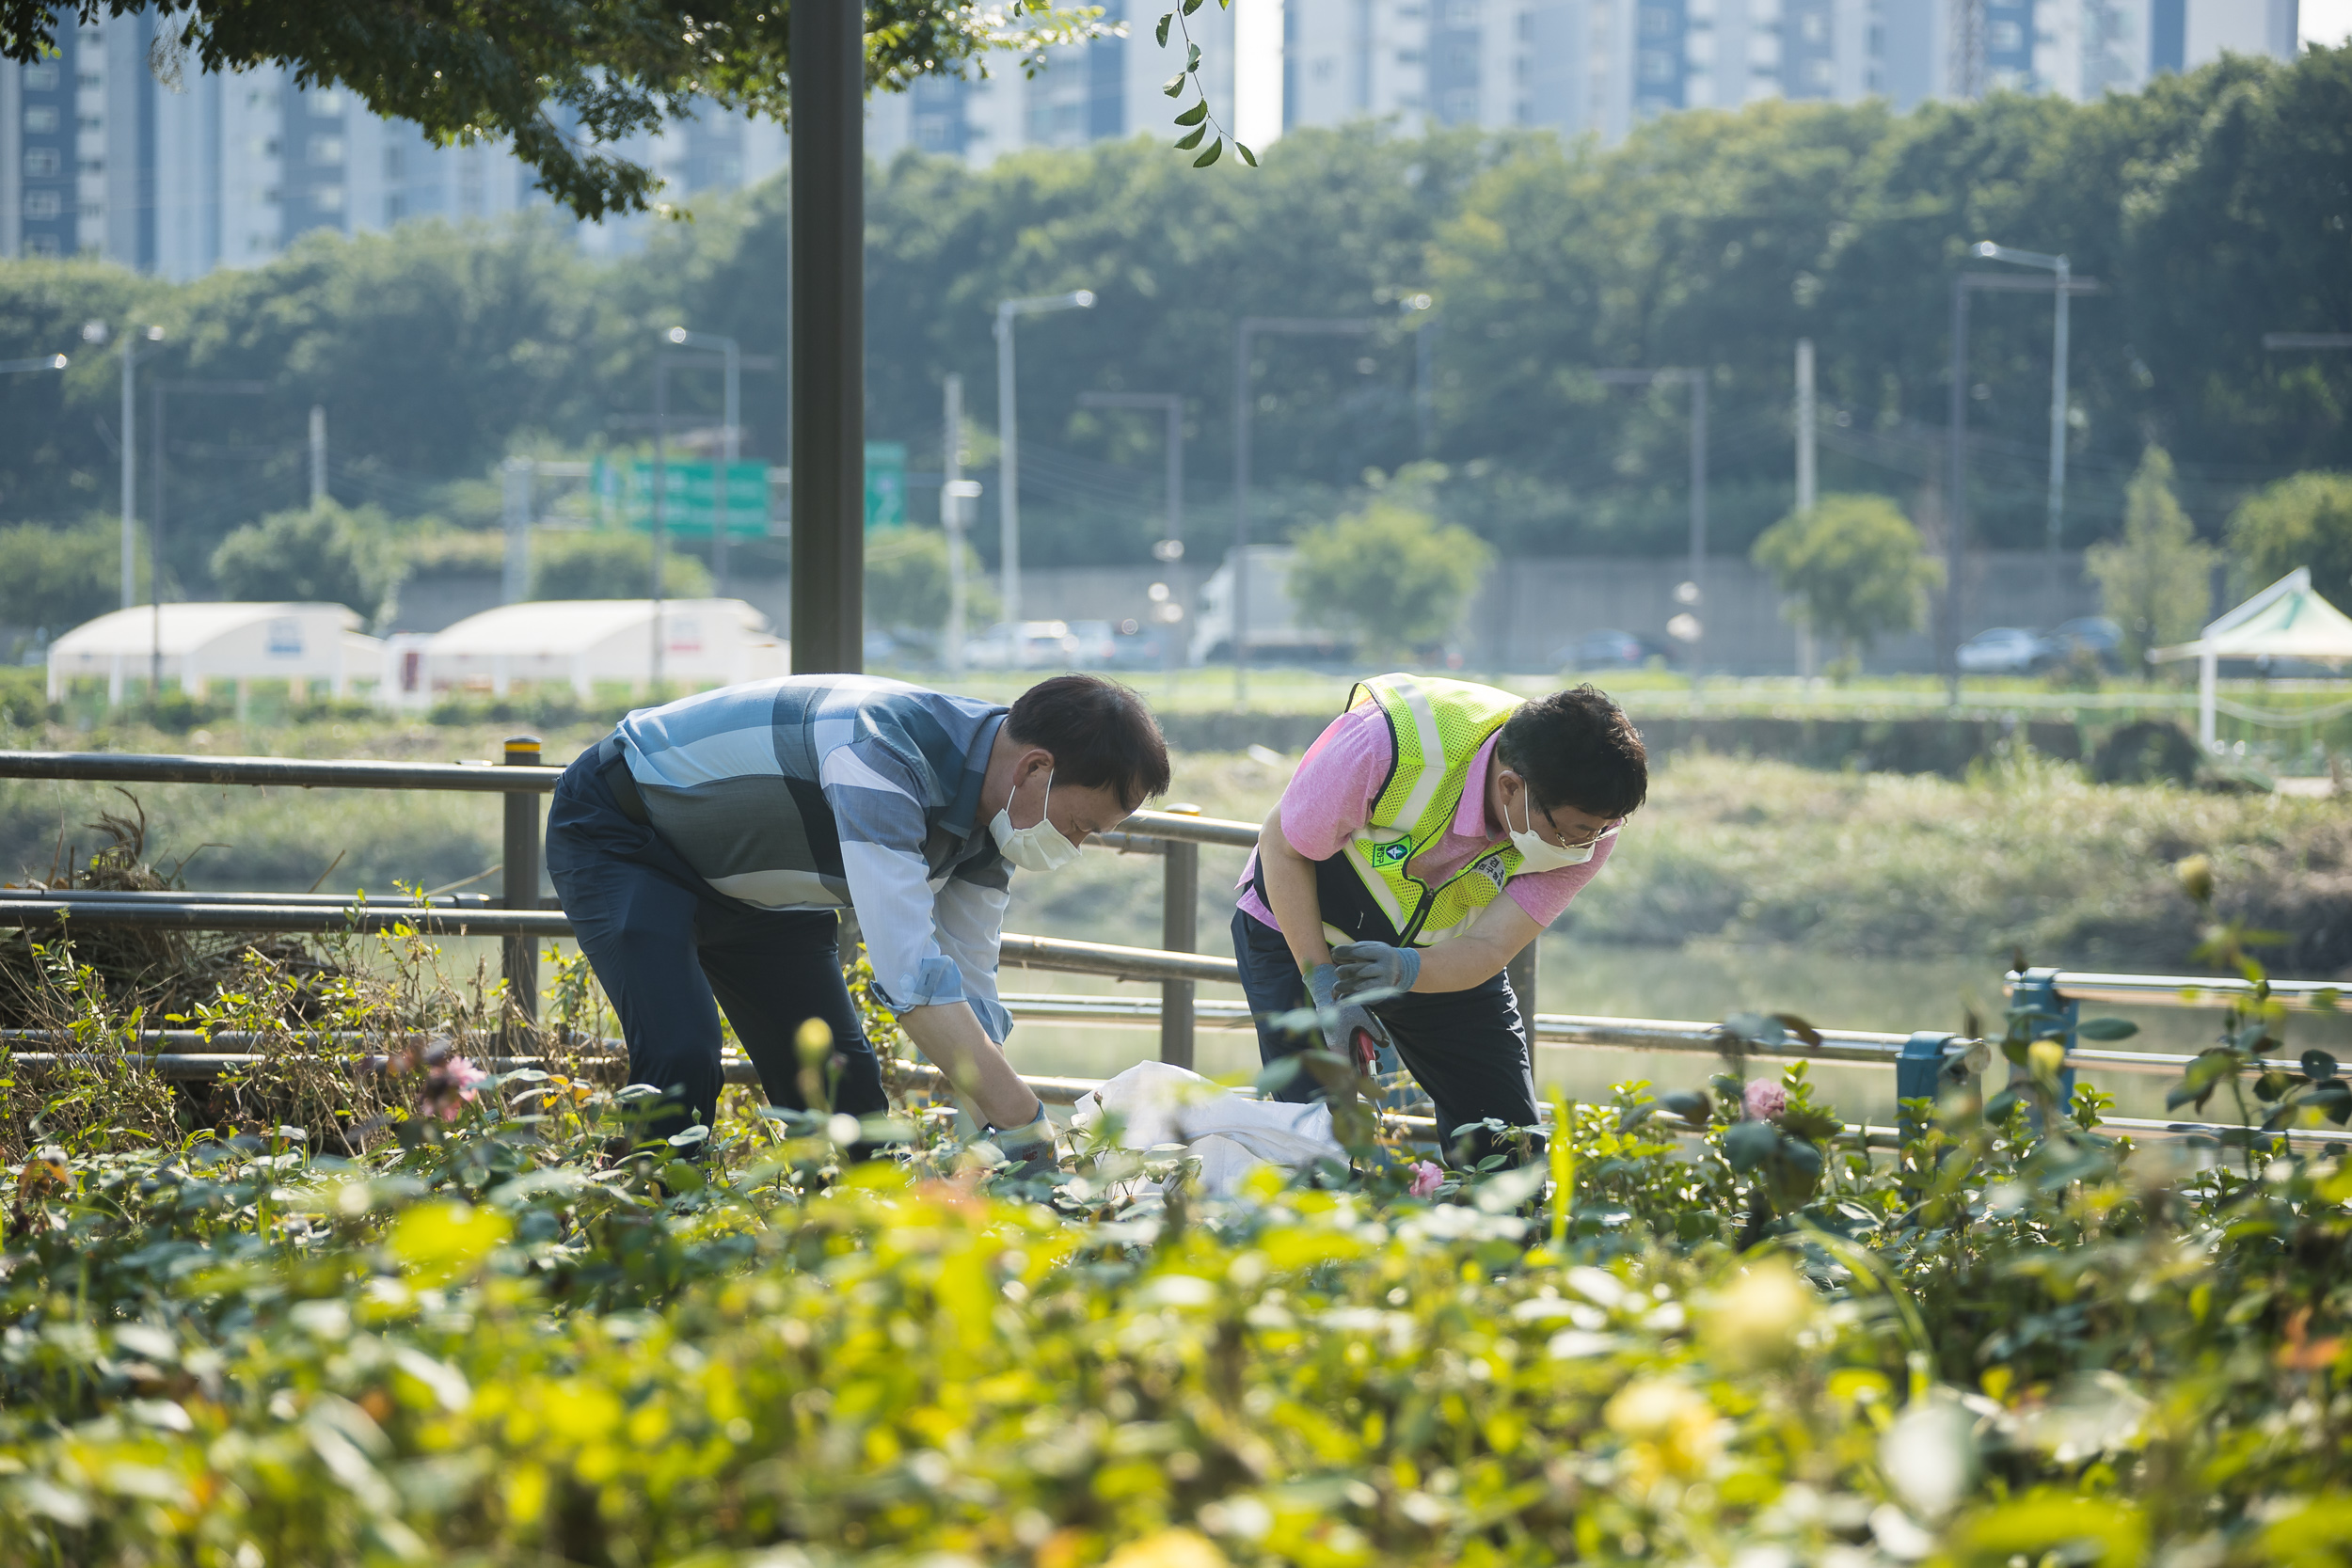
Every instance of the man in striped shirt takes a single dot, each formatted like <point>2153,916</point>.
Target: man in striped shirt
<point>705,849</point>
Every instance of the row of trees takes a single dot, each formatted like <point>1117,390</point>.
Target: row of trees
<point>2212,207</point>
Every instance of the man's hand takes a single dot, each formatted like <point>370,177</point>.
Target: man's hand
<point>1349,1028</point>
<point>1031,1146</point>
<point>1374,966</point>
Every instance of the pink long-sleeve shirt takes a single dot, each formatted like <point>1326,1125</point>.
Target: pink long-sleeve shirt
<point>1330,800</point>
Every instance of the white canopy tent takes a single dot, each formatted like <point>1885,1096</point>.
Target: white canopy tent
<point>203,642</point>
<point>2286,620</point>
<point>583,643</point>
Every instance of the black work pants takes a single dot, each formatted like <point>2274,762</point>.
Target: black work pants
<point>1463,1047</point>
<point>671,951</point>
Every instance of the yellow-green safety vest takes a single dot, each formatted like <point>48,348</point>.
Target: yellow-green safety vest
<point>1438,726</point>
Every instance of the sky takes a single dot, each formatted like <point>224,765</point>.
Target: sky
<point>2328,22</point>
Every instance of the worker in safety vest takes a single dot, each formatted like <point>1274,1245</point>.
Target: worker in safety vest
<point>1431,832</point>
<point>705,850</point>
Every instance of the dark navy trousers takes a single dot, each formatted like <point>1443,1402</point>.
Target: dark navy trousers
<point>671,952</point>
<point>1463,1047</point>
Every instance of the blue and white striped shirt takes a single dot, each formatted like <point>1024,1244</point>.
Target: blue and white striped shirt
<point>815,792</point>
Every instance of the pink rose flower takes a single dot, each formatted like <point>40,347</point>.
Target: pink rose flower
<point>1764,1100</point>
<point>1425,1179</point>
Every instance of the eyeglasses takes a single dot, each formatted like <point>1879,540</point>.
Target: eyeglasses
<point>1589,837</point>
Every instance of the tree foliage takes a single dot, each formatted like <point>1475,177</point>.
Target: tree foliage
<point>322,555</point>
<point>600,565</point>
<point>2303,520</point>
<point>1855,567</point>
<point>906,584</point>
<point>2212,206</point>
<point>57,577</point>
<point>561,81</point>
<point>2155,581</point>
<point>1390,574</point>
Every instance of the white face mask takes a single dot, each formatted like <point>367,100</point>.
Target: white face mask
<point>1539,854</point>
<point>1040,847</point>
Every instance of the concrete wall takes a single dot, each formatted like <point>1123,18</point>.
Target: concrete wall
<point>1526,611</point>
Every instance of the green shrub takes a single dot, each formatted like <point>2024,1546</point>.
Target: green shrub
<point>1390,574</point>
<point>2147,751</point>
<point>58,577</point>
<point>1854,567</point>
<point>610,566</point>
<point>2302,520</point>
<point>324,555</point>
<point>24,695</point>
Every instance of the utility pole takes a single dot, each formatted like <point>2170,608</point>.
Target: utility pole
<point>1009,445</point>
<point>318,456</point>
<point>2061,272</point>
<point>1808,496</point>
<point>518,476</point>
<point>954,490</point>
<point>660,510</point>
<point>131,341</point>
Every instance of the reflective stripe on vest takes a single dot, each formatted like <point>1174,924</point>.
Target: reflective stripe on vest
<point>1438,726</point>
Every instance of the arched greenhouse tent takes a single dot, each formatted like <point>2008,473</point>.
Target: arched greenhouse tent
<point>584,643</point>
<point>201,644</point>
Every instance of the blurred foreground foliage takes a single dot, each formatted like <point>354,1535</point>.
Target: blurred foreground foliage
<point>372,1304</point>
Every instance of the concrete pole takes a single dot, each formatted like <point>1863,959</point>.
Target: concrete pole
<point>1808,496</point>
<point>660,510</point>
<point>1008,483</point>
<point>129,470</point>
<point>155,545</point>
<point>828,343</point>
<point>2058,408</point>
<point>318,456</point>
<point>731,451</point>
<point>951,517</point>
<point>1955,486</point>
<point>515,496</point>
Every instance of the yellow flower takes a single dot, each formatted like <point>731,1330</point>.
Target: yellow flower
<point>1169,1549</point>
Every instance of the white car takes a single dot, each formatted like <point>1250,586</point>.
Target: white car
<point>1043,645</point>
<point>2005,651</point>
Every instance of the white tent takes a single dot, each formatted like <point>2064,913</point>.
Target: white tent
<point>2286,620</point>
<point>583,641</point>
<point>202,642</point>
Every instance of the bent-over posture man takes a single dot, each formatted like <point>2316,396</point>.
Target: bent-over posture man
<point>705,849</point>
<point>1432,830</point>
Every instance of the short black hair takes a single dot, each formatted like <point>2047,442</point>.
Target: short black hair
<point>1577,749</point>
<point>1099,733</point>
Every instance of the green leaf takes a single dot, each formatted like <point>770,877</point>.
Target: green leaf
<point>1210,156</point>
<point>1690,1104</point>
<point>1186,144</point>
<point>1192,60</point>
<point>1798,1027</point>
<point>2318,1065</point>
<point>2271,1085</point>
<point>1246,156</point>
<point>1175,87</point>
<point>2325,999</point>
<point>1195,115</point>
<point>2107,1029</point>
<point>1164,19</point>
<point>1749,1144</point>
<point>1191,6</point>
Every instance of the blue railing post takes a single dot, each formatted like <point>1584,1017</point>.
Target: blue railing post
<point>1920,1074</point>
<point>2037,988</point>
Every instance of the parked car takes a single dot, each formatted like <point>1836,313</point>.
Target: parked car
<point>1097,644</point>
<point>2093,634</point>
<point>1043,645</point>
<point>2005,651</point>
<point>1144,645</point>
<point>1609,650</point>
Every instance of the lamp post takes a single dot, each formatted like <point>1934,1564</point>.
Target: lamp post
<point>2061,270</point>
<point>1695,378</point>
<point>1008,440</point>
<point>1256,327</point>
<point>1171,406</point>
<point>730,438</point>
<point>1956,429</point>
<point>956,496</point>
<point>156,392</point>
<point>95,332</point>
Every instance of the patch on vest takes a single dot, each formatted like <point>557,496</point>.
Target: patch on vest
<point>1491,868</point>
<point>1391,854</point>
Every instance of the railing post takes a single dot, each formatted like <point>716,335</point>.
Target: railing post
<point>1179,903</point>
<point>2037,989</point>
<point>1920,1073</point>
<point>521,879</point>
<point>1521,971</point>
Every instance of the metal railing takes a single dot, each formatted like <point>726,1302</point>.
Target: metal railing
<point>1923,1061</point>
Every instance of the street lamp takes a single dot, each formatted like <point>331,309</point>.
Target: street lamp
<point>729,439</point>
<point>956,496</point>
<point>1685,627</point>
<point>2061,270</point>
<point>1255,327</point>
<point>157,390</point>
<point>1008,439</point>
<point>95,332</point>
<point>43,362</point>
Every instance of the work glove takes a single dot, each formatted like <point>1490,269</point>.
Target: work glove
<point>1031,1146</point>
<point>1374,966</point>
<point>1349,1028</point>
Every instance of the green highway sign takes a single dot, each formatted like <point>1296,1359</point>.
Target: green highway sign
<point>885,484</point>
<point>692,501</point>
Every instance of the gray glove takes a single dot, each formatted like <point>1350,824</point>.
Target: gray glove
<point>1349,1028</point>
<point>1376,966</point>
<point>1031,1146</point>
